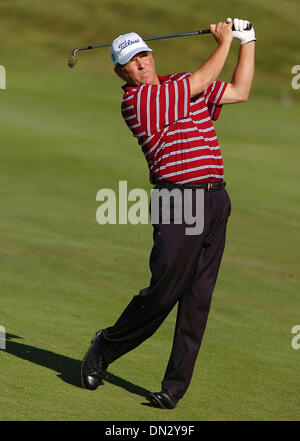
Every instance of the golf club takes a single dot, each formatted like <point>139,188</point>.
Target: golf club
<point>73,58</point>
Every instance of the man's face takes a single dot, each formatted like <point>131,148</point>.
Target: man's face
<point>139,70</point>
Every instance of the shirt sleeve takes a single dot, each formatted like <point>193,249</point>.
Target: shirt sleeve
<point>159,106</point>
<point>213,96</point>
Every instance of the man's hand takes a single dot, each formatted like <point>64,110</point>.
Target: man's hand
<point>222,32</point>
<point>240,31</point>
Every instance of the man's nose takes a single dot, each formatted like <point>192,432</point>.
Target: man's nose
<point>140,63</point>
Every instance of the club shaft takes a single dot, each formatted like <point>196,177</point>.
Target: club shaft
<point>184,34</point>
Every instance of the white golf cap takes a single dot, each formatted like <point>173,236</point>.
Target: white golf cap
<point>126,46</point>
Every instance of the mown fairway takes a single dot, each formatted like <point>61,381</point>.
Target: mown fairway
<point>63,276</point>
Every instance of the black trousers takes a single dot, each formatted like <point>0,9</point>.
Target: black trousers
<point>184,270</point>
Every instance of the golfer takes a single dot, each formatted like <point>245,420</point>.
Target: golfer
<point>171,117</point>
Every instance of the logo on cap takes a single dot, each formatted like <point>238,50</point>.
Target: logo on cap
<point>126,43</point>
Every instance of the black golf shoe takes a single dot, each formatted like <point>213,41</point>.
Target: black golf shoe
<point>93,364</point>
<point>163,399</point>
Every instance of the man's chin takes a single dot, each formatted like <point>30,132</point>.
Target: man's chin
<point>146,81</point>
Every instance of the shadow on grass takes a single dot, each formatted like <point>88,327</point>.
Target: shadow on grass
<point>68,368</point>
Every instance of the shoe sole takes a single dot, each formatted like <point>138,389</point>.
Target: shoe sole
<point>156,401</point>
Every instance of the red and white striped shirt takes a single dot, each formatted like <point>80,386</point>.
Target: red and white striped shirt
<point>175,132</point>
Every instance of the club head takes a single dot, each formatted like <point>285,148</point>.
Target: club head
<point>73,58</point>
<point>72,61</point>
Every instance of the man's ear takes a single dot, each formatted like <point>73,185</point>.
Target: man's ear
<point>118,70</point>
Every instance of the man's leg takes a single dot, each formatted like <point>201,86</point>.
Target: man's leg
<point>194,305</point>
<point>172,268</point>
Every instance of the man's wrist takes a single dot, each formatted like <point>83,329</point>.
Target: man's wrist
<point>225,44</point>
<point>247,42</point>
<point>248,45</point>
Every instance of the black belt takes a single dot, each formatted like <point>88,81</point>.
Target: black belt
<point>208,186</point>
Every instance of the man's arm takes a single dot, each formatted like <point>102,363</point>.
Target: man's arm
<point>238,90</point>
<point>208,72</point>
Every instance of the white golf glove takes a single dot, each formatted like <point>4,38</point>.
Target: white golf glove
<point>240,31</point>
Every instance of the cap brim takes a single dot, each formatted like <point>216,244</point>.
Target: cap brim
<point>131,54</point>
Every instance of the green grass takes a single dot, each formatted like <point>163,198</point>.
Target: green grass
<point>63,276</point>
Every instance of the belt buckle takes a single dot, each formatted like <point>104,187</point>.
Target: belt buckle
<point>209,186</point>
